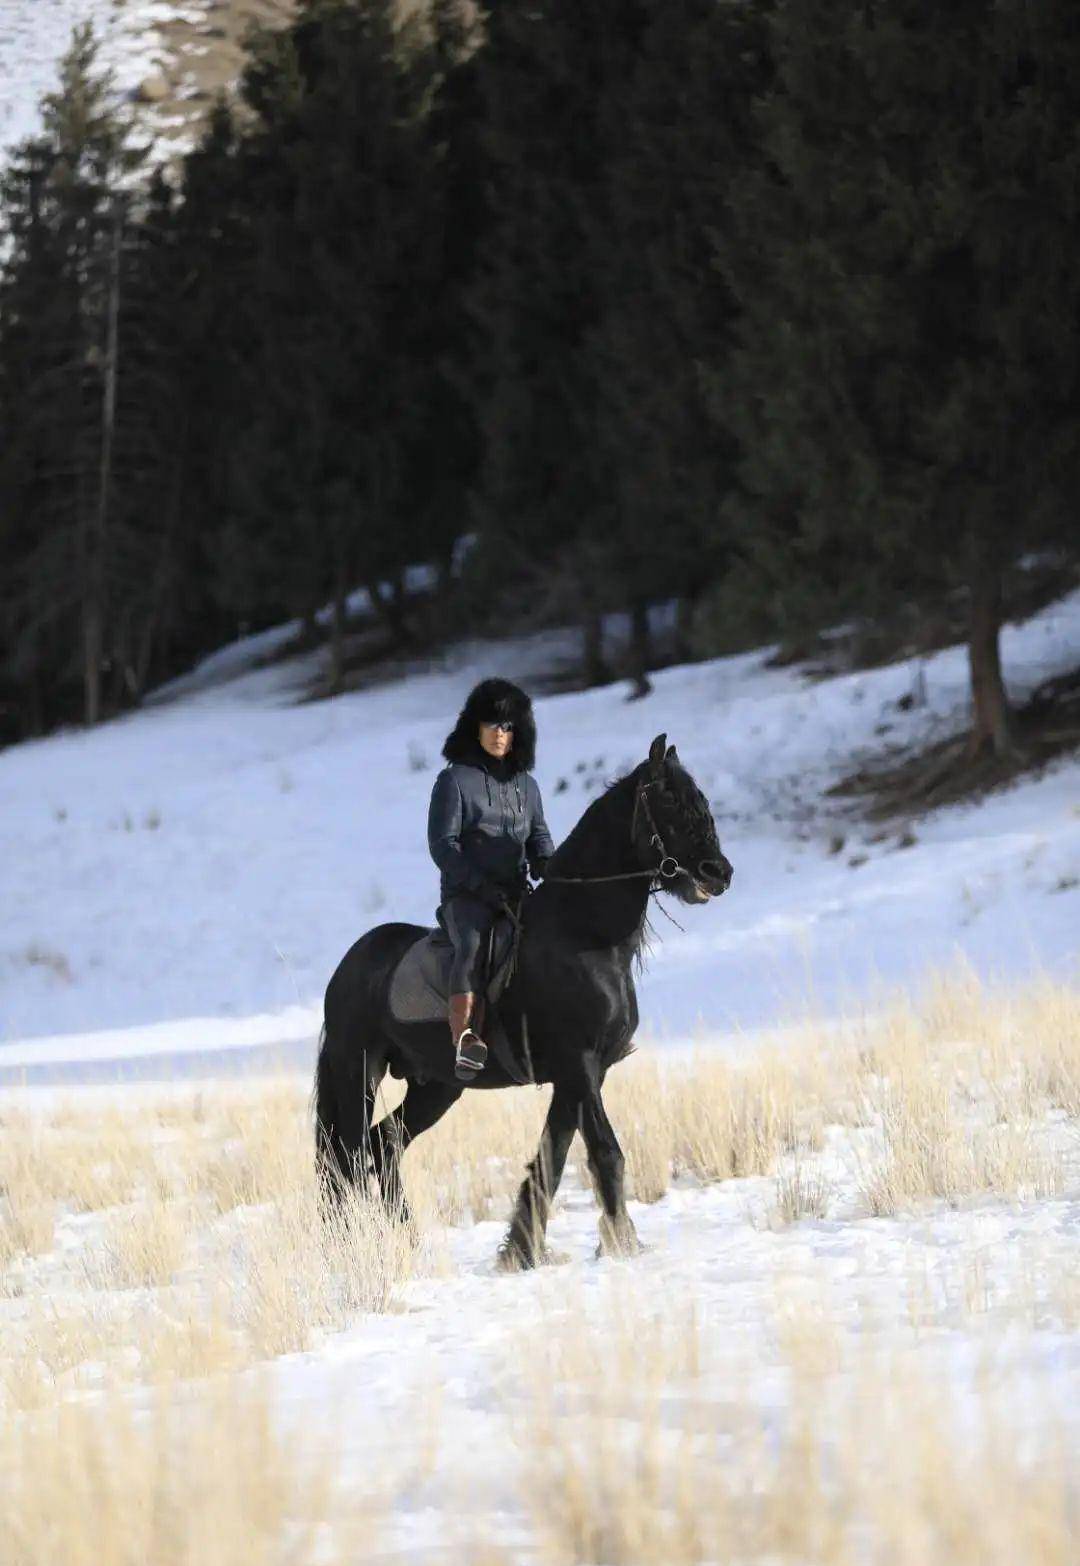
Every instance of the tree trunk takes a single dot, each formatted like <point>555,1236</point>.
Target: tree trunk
<point>94,589</point>
<point>684,628</point>
<point>640,648</point>
<point>309,634</point>
<point>390,606</point>
<point>337,628</point>
<point>92,640</point>
<point>119,657</point>
<point>144,653</point>
<point>990,727</point>
<point>148,635</point>
<point>400,609</point>
<point>595,668</point>
<point>444,572</point>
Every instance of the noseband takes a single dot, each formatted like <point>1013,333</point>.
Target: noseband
<point>667,869</point>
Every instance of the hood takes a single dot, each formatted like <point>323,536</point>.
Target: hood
<point>494,699</point>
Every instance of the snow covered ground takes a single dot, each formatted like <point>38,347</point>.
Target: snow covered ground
<point>187,878</point>
<point>178,887</point>
<point>779,1360</point>
<point>34,34</point>
<point>134,46</point>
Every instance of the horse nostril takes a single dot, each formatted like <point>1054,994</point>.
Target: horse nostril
<point>713,870</point>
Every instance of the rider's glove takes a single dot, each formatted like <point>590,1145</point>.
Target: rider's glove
<point>492,894</point>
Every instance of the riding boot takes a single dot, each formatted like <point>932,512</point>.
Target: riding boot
<point>470,1051</point>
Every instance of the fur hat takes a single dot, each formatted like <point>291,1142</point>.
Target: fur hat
<point>490,700</point>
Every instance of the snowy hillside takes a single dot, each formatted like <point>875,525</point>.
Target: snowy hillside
<point>212,856</point>
<point>853,1335</point>
<point>168,57</point>
<point>35,33</point>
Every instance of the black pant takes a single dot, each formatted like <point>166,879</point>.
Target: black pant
<point>467,920</point>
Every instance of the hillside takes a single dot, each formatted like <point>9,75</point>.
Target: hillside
<point>212,856</point>
<point>170,57</point>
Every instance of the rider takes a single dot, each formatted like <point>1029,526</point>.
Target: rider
<point>485,822</point>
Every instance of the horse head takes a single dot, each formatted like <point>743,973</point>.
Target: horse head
<point>674,829</point>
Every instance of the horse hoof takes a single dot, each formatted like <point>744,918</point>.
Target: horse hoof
<point>631,1246</point>
<point>512,1258</point>
<point>509,1258</point>
<point>552,1258</point>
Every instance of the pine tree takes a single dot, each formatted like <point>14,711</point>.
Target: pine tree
<point>906,391</point>
<point>220,339</point>
<point>36,334</point>
<point>339,470</point>
<point>65,198</point>
<point>678,128</point>
<point>547,497</point>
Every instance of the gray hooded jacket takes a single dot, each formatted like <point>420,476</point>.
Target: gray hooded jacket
<point>484,823</point>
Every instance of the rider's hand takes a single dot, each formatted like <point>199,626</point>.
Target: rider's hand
<point>539,869</point>
<point>492,894</point>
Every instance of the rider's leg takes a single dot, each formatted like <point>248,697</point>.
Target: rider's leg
<point>461,1012</point>
<point>470,1051</point>
<point>468,921</point>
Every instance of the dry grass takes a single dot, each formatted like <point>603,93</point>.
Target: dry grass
<point>87,1161</point>
<point>956,1092</point>
<point>182,1242</point>
<point>927,1072</point>
<point>1029,1286</point>
<point>211,1482</point>
<point>208,1248</point>
<point>801,1192</point>
<point>25,1230</point>
<point>304,1271</point>
<point>630,1455</point>
<point>141,1247</point>
<point>962,1084</point>
<point>634,1439</point>
<point>468,1167</point>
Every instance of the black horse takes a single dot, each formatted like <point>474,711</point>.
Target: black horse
<point>570,1009</point>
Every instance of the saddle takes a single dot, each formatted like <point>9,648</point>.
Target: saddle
<point>420,984</point>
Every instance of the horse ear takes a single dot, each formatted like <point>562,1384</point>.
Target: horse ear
<point>656,755</point>
<point>673,755</point>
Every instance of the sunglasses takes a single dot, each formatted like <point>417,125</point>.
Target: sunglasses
<point>499,724</point>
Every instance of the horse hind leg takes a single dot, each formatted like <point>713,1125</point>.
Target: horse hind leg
<point>423,1105</point>
<point>525,1244</point>
<point>344,1100</point>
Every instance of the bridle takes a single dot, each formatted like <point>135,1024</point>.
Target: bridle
<point>667,869</point>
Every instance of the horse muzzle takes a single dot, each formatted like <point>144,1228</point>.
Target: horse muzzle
<point>712,879</point>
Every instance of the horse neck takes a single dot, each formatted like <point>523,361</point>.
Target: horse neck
<point>601,844</point>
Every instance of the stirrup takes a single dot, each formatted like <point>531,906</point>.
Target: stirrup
<point>470,1056</point>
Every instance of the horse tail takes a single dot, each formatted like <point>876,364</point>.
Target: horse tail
<point>352,1055</point>
<point>324,1105</point>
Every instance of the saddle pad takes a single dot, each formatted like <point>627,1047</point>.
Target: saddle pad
<point>420,984</point>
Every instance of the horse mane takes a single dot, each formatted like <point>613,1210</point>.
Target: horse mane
<point>577,853</point>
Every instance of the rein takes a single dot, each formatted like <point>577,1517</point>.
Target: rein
<point>668,867</point>
<point>655,841</point>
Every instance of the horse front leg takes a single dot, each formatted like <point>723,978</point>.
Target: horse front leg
<point>526,1239</point>
<point>618,1237</point>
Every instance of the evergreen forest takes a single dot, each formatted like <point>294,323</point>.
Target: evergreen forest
<point>766,310</point>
